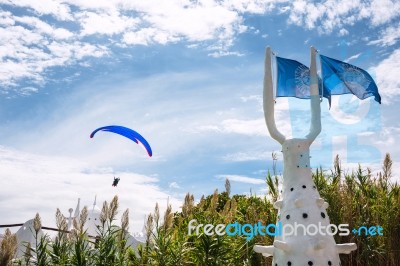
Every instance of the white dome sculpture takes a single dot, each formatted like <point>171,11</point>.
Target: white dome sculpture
<point>25,235</point>
<point>93,219</point>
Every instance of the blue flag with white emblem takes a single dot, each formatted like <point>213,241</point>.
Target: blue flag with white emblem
<point>294,80</point>
<point>342,78</point>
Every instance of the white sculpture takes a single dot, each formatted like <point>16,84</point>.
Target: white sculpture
<point>93,220</point>
<point>25,235</point>
<point>300,201</point>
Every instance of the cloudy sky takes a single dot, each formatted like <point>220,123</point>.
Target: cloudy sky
<point>187,75</point>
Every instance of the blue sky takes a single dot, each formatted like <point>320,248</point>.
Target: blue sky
<point>187,75</point>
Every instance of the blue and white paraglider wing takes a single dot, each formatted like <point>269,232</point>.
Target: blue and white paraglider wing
<point>128,133</point>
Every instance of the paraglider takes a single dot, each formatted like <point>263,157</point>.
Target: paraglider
<point>128,133</point>
<point>115,182</point>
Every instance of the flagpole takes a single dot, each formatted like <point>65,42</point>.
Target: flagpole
<point>315,127</point>
<point>268,99</point>
<point>322,81</point>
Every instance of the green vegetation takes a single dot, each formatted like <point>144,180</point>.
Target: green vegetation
<point>357,198</point>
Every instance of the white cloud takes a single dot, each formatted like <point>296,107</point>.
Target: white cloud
<point>103,23</point>
<point>245,127</point>
<point>388,37</point>
<point>11,71</point>
<point>174,185</point>
<point>33,183</point>
<point>328,15</point>
<point>380,11</point>
<point>5,19</point>
<point>254,127</point>
<point>221,53</point>
<point>256,98</point>
<point>242,179</point>
<point>60,11</point>
<point>247,156</point>
<point>214,24</point>
<point>30,46</point>
<point>197,23</point>
<point>43,28</point>
<point>252,6</point>
<point>26,91</point>
<point>343,32</point>
<point>96,5</point>
<point>352,57</point>
<point>147,36</point>
<point>387,73</point>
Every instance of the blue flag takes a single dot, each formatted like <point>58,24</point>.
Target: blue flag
<point>342,78</point>
<point>294,80</point>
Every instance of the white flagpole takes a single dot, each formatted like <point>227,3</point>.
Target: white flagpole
<point>268,100</point>
<point>315,127</point>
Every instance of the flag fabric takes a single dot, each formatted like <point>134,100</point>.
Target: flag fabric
<point>294,80</point>
<point>342,78</point>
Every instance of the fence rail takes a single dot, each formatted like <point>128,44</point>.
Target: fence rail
<point>43,227</point>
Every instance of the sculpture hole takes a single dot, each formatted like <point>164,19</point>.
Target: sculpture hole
<point>291,189</point>
<point>329,263</point>
<point>289,263</point>
<point>310,263</point>
<point>305,215</point>
<point>323,215</point>
<point>304,186</point>
<point>288,216</point>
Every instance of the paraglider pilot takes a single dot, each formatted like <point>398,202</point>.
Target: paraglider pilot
<point>115,182</point>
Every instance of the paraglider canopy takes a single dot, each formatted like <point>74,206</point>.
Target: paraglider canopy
<point>128,133</point>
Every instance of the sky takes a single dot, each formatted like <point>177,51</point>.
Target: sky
<point>187,75</point>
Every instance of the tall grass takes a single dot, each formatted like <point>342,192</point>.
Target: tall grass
<point>355,197</point>
<point>8,247</point>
